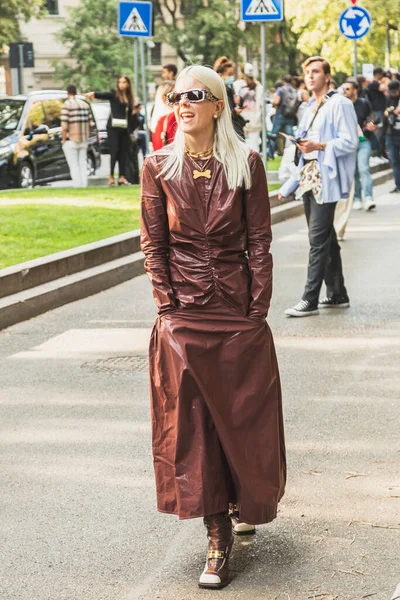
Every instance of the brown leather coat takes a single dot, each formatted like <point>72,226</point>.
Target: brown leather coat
<point>201,238</point>
<point>215,392</point>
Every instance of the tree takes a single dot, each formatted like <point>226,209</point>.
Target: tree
<point>96,53</point>
<point>319,33</point>
<point>282,55</point>
<point>13,11</point>
<point>200,30</point>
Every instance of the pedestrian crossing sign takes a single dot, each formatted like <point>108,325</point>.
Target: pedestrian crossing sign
<point>262,10</point>
<point>135,19</point>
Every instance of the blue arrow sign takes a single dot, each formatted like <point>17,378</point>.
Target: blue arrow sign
<point>261,11</point>
<point>355,22</point>
<point>135,19</point>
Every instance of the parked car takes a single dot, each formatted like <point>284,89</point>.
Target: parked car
<point>30,140</point>
<point>101,112</point>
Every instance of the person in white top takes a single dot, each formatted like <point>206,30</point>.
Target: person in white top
<point>250,101</point>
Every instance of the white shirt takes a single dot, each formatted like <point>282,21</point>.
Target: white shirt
<point>314,132</point>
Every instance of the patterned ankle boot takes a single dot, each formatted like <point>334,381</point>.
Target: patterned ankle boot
<point>220,541</point>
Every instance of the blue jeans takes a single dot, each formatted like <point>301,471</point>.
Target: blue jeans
<point>393,146</point>
<point>363,179</point>
<point>280,124</point>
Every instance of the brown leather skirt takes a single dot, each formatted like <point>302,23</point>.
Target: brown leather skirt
<point>216,414</point>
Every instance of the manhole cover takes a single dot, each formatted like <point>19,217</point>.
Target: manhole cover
<point>117,365</point>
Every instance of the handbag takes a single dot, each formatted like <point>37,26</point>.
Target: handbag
<point>120,123</point>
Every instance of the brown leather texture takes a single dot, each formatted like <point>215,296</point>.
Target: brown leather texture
<point>215,392</point>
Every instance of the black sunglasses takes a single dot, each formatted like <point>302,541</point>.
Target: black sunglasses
<point>191,96</point>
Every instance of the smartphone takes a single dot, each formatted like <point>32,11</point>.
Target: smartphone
<point>291,138</point>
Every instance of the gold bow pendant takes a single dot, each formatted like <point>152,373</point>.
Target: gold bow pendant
<point>197,174</point>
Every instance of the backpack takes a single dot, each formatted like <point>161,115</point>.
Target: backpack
<point>290,102</point>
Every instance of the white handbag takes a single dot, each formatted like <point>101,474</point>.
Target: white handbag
<point>119,123</point>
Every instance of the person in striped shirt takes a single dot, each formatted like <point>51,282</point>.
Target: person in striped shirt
<point>75,123</point>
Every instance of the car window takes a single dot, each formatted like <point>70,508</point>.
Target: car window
<point>10,114</point>
<point>101,112</point>
<point>52,109</point>
<point>35,116</point>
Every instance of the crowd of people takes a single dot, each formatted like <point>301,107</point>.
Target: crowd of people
<point>375,102</point>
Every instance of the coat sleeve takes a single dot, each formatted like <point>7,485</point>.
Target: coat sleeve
<point>154,238</point>
<point>104,95</point>
<point>259,237</point>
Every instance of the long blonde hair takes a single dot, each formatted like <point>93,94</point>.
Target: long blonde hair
<point>161,108</point>
<point>228,148</point>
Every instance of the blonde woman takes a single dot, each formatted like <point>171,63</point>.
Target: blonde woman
<point>163,122</point>
<point>218,437</point>
<point>251,97</point>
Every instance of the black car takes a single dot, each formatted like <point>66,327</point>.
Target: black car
<point>30,140</point>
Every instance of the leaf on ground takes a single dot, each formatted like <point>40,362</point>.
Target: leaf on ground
<point>349,475</point>
<point>312,472</point>
<point>377,525</point>
<point>352,572</point>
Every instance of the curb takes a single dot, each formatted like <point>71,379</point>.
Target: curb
<point>42,270</point>
<point>40,299</point>
<point>37,286</point>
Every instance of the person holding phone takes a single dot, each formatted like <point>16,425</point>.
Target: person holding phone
<point>327,151</point>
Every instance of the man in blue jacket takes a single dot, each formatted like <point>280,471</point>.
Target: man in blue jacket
<point>327,146</point>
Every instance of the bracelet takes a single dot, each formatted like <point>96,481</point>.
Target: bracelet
<point>322,147</point>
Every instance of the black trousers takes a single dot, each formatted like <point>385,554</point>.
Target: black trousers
<point>324,263</point>
<point>119,142</point>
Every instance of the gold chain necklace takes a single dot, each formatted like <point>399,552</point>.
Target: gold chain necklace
<point>198,154</point>
<point>201,169</point>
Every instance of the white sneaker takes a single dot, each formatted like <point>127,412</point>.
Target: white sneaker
<point>357,205</point>
<point>369,204</point>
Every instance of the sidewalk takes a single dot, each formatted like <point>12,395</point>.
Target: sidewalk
<point>78,504</point>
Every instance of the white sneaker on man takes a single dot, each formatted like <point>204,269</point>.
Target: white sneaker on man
<point>369,204</point>
<point>357,205</point>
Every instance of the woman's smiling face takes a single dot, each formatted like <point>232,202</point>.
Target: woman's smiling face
<point>194,117</point>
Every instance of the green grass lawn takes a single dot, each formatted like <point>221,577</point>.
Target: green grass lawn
<point>34,223</point>
<point>274,164</point>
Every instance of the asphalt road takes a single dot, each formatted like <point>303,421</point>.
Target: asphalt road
<point>78,518</point>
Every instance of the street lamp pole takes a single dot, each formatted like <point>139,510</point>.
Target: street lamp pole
<point>264,87</point>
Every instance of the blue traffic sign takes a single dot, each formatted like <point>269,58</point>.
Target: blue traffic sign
<point>355,22</point>
<point>261,11</point>
<point>135,19</point>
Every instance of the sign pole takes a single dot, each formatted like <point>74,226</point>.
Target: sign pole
<point>21,68</point>
<point>262,11</point>
<point>144,88</point>
<point>264,95</point>
<point>355,60</point>
<point>135,68</point>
